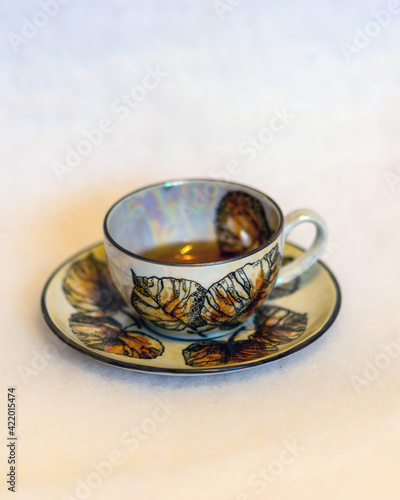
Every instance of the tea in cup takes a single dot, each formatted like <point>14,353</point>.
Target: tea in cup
<point>196,258</point>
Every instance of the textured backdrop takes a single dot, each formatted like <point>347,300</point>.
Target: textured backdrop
<point>178,89</point>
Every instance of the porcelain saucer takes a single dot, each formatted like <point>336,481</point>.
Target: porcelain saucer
<point>82,307</point>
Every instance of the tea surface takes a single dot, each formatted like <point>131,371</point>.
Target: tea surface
<point>194,253</point>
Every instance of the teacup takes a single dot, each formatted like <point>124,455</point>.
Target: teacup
<point>197,300</point>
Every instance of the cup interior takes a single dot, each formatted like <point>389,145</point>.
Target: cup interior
<point>187,211</point>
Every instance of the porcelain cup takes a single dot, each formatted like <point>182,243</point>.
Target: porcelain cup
<point>195,301</point>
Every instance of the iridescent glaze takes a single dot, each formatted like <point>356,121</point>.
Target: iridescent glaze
<point>203,300</point>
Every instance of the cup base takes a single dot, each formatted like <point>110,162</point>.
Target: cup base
<point>210,335</point>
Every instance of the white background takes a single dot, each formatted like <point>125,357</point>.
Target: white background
<point>227,74</point>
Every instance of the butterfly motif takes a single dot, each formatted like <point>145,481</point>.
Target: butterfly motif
<point>95,323</point>
<point>177,304</point>
<point>241,224</point>
<point>274,326</point>
<point>88,287</point>
<point>107,334</point>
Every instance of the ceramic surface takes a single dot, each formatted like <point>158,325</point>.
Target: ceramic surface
<point>83,308</point>
<point>200,300</point>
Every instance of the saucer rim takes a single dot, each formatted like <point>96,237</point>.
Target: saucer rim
<point>184,371</point>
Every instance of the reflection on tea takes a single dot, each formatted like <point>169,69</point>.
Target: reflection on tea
<point>191,253</point>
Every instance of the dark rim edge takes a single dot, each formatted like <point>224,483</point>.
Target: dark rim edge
<point>271,240</point>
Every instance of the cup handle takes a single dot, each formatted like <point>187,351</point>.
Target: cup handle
<point>309,257</point>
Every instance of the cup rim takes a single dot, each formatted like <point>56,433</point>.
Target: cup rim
<point>271,240</point>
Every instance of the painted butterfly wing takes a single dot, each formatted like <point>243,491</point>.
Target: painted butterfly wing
<point>139,345</point>
<point>96,332</point>
<point>206,354</point>
<point>173,304</point>
<point>274,326</point>
<point>239,294</point>
<point>89,288</point>
<point>277,325</point>
<point>106,334</point>
<point>241,224</point>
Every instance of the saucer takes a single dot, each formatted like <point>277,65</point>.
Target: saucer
<point>82,307</point>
